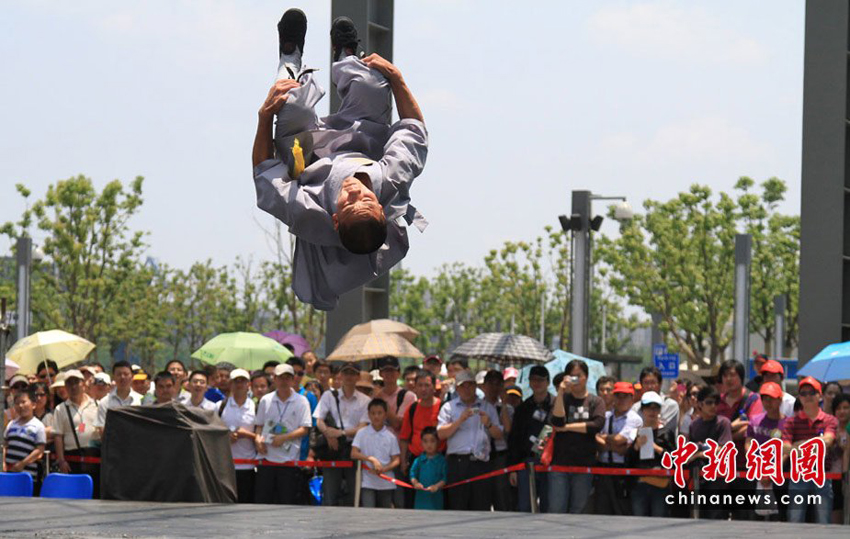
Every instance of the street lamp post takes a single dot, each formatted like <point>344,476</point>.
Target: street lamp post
<point>581,224</point>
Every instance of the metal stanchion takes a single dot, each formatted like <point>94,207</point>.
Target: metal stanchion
<point>846,484</point>
<point>696,475</point>
<point>46,463</point>
<point>532,487</point>
<point>357,478</point>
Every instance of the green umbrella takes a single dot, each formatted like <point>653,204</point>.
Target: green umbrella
<point>248,351</point>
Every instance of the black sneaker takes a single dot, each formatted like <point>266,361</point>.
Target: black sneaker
<point>291,31</point>
<point>343,36</point>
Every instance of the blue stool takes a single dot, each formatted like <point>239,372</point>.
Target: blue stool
<point>16,484</point>
<point>61,485</point>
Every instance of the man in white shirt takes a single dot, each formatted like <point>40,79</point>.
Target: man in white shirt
<point>617,435</point>
<point>282,419</point>
<point>74,432</point>
<point>346,408</point>
<point>772,371</point>
<point>468,423</point>
<point>122,395</point>
<point>238,413</point>
<point>198,383</point>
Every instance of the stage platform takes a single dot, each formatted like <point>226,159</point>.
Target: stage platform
<point>31,517</point>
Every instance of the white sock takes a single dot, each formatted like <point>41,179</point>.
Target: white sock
<point>290,65</point>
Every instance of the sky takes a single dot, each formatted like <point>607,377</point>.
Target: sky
<point>523,102</point>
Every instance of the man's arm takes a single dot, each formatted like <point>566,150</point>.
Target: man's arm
<point>263,141</point>
<point>404,100</point>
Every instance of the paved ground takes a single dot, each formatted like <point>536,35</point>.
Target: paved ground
<point>32,517</point>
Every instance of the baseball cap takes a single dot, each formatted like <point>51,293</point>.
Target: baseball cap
<point>89,369</point>
<point>283,368</point>
<point>479,377</point>
<point>771,389</point>
<point>389,362</point>
<point>433,358</point>
<point>58,381</point>
<point>463,377</point>
<point>239,373</point>
<point>350,367</point>
<point>73,373</point>
<point>511,372</point>
<point>808,380</point>
<point>772,366</point>
<point>626,387</point>
<point>17,379</point>
<point>102,378</point>
<point>538,370</point>
<point>651,397</point>
<point>140,376</point>
<point>514,390</point>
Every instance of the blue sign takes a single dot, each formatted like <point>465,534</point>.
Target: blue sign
<point>790,366</point>
<point>659,350</point>
<point>668,364</point>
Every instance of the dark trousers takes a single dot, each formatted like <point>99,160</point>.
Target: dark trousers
<point>275,484</point>
<point>376,498</point>
<point>245,480</point>
<point>501,484</point>
<point>611,493</point>
<point>84,468</point>
<point>409,493</point>
<point>338,486</point>
<point>474,496</point>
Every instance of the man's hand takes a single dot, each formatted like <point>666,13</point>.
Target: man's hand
<point>640,441</point>
<point>64,467</point>
<point>260,444</point>
<point>512,479</point>
<point>469,412</point>
<point>278,94</point>
<point>485,419</point>
<point>331,432</point>
<point>17,467</point>
<point>382,65</point>
<point>333,443</point>
<point>378,467</point>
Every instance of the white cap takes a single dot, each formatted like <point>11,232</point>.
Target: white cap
<point>58,381</point>
<point>283,368</point>
<point>479,378</point>
<point>73,373</point>
<point>89,369</point>
<point>240,373</point>
<point>651,397</point>
<point>18,378</point>
<point>102,377</point>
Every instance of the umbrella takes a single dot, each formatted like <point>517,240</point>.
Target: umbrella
<point>298,343</point>
<point>57,345</point>
<point>830,365</point>
<point>11,369</point>
<point>595,370</point>
<point>245,350</point>
<point>374,345</point>
<point>503,348</point>
<point>383,325</point>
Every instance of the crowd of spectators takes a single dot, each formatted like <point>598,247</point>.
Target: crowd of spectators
<point>433,425</point>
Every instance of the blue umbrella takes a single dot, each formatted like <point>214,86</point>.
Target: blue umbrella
<point>830,365</point>
<point>595,370</point>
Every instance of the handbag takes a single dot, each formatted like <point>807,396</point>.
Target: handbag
<point>318,440</point>
<point>548,451</point>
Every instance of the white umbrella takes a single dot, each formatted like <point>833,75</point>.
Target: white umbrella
<point>11,368</point>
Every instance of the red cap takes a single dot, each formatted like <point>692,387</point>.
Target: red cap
<point>624,387</point>
<point>771,389</point>
<point>808,380</point>
<point>433,358</point>
<point>760,358</point>
<point>772,366</point>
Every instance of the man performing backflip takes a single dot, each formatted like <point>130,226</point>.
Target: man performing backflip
<point>341,183</point>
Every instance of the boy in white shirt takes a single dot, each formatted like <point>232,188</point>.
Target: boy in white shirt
<point>378,447</point>
<point>24,439</point>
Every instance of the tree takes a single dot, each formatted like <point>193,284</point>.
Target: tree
<point>91,248</point>
<point>678,261</point>
<point>775,268</point>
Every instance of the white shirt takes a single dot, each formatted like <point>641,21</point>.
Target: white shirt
<point>236,417</point>
<point>787,406</point>
<point>281,417</point>
<point>112,400</point>
<point>625,425</point>
<point>381,444</point>
<point>84,417</point>
<point>206,404</point>
<point>471,438</point>
<point>354,409</point>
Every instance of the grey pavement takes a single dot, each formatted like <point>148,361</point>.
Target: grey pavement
<point>31,517</point>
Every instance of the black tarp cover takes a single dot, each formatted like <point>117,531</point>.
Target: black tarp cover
<point>166,453</point>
